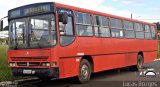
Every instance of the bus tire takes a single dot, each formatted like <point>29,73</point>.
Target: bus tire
<point>140,62</point>
<point>84,71</point>
<point>139,66</point>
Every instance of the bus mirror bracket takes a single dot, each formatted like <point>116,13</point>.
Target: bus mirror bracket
<point>1,25</point>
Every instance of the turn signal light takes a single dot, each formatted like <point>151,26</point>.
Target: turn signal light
<point>54,64</point>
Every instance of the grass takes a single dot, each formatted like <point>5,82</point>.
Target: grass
<point>159,49</point>
<point>5,71</point>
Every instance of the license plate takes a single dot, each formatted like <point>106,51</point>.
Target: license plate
<point>27,71</point>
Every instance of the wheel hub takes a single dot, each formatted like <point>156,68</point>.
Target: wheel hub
<point>84,71</point>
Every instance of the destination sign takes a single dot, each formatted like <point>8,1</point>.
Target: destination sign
<point>69,12</point>
<point>38,9</point>
<point>15,13</point>
<point>32,9</point>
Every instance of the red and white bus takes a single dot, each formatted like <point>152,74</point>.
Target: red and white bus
<point>52,40</point>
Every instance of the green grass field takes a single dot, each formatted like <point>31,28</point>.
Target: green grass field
<point>5,72</point>
<point>159,49</point>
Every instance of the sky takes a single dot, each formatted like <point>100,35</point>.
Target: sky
<point>145,10</point>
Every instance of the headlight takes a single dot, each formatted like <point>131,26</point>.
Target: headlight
<point>12,64</point>
<point>45,64</point>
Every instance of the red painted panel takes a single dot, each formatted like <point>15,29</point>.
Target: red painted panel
<point>68,67</point>
<point>150,56</point>
<point>106,62</point>
<point>29,53</point>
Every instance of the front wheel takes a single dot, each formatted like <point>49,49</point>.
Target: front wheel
<point>84,71</point>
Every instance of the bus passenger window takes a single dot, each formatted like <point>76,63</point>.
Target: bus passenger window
<point>153,32</point>
<point>101,26</point>
<point>139,31</point>
<point>83,24</point>
<point>116,28</point>
<point>129,31</point>
<point>147,32</point>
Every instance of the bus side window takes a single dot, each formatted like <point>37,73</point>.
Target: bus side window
<point>147,32</point>
<point>139,30</point>
<point>66,30</point>
<point>101,26</point>
<point>83,24</point>
<point>117,28</point>
<point>153,32</point>
<point>129,30</point>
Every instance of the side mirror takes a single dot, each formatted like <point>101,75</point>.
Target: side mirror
<point>64,18</point>
<point>1,25</point>
<point>21,26</point>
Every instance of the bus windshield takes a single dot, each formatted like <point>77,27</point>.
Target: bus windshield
<point>33,32</point>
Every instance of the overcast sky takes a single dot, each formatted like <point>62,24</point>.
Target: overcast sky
<point>141,9</point>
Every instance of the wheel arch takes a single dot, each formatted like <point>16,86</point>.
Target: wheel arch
<point>140,53</point>
<point>90,60</point>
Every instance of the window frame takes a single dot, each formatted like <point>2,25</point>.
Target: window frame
<point>73,18</point>
<point>115,28</point>
<point>101,25</point>
<point>142,30</point>
<point>145,28</point>
<point>83,24</point>
<point>153,32</point>
<point>141,27</point>
<point>147,32</point>
<point>73,27</point>
<point>129,29</point>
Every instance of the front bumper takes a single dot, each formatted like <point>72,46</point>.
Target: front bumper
<point>49,72</point>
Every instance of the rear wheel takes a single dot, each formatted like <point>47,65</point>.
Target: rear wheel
<point>84,71</point>
<point>140,62</point>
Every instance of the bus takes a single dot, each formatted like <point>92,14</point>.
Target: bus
<point>53,40</point>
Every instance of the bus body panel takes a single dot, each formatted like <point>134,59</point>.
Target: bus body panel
<point>68,67</point>
<point>107,55</point>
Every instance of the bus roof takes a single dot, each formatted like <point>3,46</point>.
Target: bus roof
<point>99,13</point>
<point>33,4</point>
<point>84,10</point>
